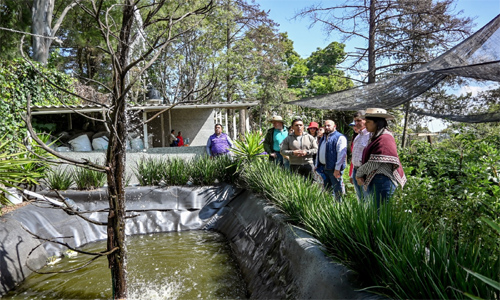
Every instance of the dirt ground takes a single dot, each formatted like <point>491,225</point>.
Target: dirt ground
<point>8,208</point>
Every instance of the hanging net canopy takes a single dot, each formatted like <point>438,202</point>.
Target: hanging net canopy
<point>477,57</point>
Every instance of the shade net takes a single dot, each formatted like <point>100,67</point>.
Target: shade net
<point>477,57</point>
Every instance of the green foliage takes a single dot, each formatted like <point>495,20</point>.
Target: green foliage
<point>390,249</point>
<point>59,179</point>
<point>88,179</point>
<point>20,79</point>
<point>248,150</point>
<point>15,169</point>
<point>455,183</point>
<point>176,172</point>
<point>317,74</point>
<point>149,170</point>
<point>199,171</point>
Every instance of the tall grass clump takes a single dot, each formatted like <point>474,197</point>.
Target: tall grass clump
<point>204,170</point>
<point>391,250</point>
<point>150,170</point>
<point>88,179</point>
<point>289,191</point>
<point>176,171</point>
<point>59,179</point>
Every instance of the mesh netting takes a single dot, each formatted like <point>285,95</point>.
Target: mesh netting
<point>477,57</point>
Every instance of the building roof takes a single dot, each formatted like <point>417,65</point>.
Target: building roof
<point>151,106</point>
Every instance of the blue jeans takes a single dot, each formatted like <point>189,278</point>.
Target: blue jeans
<point>278,159</point>
<point>360,191</point>
<point>381,189</point>
<point>330,182</point>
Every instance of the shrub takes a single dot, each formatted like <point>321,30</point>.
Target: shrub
<point>59,179</point>
<point>18,80</point>
<point>150,171</point>
<point>88,179</point>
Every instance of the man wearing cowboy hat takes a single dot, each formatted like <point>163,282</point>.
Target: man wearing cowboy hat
<point>273,139</point>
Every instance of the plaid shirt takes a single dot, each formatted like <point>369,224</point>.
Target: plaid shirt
<point>360,142</point>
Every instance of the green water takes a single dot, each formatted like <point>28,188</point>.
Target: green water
<point>179,265</point>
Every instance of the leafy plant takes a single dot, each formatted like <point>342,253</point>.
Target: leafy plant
<point>248,150</point>
<point>12,170</point>
<point>18,81</point>
<point>88,179</point>
<point>177,172</point>
<point>150,170</point>
<point>59,179</point>
<point>204,170</point>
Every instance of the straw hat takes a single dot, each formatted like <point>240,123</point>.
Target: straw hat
<point>378,113</point>
<point>277,119</point>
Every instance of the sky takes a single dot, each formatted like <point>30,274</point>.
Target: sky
<point>306,40</point>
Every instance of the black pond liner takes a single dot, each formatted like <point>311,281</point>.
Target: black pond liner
<point>276,260</point>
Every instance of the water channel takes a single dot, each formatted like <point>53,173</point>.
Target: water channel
<point>178,265</point>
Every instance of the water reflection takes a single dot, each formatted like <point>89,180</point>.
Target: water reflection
<point>178,265</point>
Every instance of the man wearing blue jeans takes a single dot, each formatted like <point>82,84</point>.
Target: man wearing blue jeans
<point>331,159</point>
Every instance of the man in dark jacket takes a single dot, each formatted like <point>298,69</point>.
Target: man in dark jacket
<point>331,158</point>
<point>273,139</point>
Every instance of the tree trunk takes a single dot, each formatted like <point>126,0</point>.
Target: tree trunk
<point>41,15</point>
<point>371,44</point>
<point>405,128</point>
<point>116,160</point>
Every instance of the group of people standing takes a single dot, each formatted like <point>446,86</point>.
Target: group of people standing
<point>376,170</point>
<point>176,141</point>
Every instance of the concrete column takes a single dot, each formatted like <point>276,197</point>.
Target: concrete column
<point>242,124</point>
<point>247,121</point>
<point>234,124</point>
<point>225,119</point>
<point>145,129</point>
<point>162,124</point>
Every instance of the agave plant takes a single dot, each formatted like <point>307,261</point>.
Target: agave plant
<point>248,150</point>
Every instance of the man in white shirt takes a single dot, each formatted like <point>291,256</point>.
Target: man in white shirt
<point>359,144</point>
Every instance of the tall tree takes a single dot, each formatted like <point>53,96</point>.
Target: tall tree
<point>44,32</point>
<point>388,31</point>
<point>159,24</point>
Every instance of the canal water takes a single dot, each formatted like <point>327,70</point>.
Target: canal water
<point>177,265</point>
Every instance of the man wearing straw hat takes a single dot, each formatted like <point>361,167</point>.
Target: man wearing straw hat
<point>273,139</point>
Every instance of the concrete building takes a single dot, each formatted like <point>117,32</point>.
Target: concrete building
<point>153,122</point>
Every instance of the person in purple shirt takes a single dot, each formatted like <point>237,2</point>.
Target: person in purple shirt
<point>219,143</point>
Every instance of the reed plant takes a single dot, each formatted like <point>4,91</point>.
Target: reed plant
<point>390,249</point>
<point>59,179</point>
<point>177,172</point>
<point>204,170</point>
<point>88,179</point>
<point>225,169</point>
<point>150,170</point>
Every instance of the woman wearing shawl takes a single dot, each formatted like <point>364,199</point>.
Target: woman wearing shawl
<point>381,170</point>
